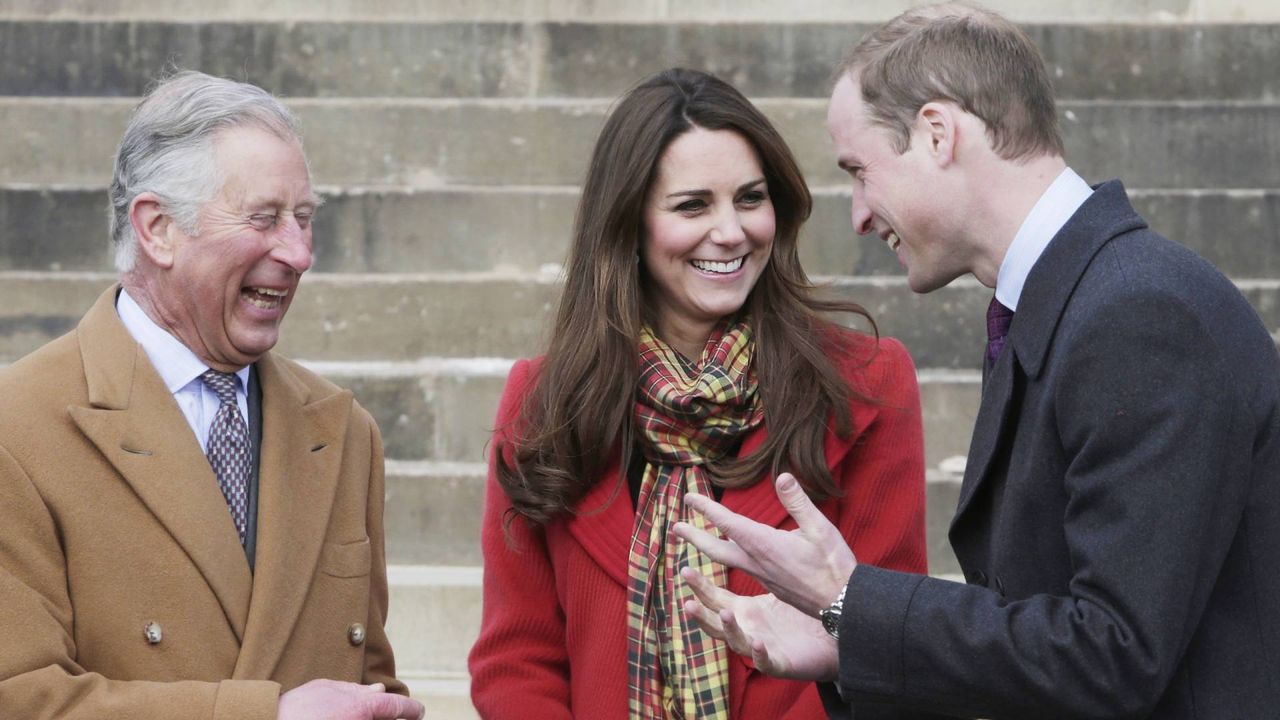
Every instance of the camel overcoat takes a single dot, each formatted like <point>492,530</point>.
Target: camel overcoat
<point>112,522</point>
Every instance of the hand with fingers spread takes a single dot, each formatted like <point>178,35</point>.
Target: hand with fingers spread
<point>779,639</point>
<point>333,700</point>
<point>806,567</point>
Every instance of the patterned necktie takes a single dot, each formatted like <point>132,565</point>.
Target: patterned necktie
<point>229,448</point>
<point>999,318</point>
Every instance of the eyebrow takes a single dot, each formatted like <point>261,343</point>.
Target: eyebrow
<point>313,201</point>
<point>704,191</point>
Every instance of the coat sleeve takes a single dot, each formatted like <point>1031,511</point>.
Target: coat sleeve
<point>519,664</point>
<point>39,676</point>
<point>1158,447</point>
<point>379,663</point>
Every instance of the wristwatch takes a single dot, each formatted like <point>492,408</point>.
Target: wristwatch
<point>831,615</point>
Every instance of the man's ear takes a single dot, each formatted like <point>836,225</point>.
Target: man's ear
<point>154,229</point>
<point>937,124</point>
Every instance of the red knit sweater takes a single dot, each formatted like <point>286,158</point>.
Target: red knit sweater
<point>553,639</point>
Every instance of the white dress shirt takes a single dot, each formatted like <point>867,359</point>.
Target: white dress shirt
<point>180,370</point>
<point>1054,208</point>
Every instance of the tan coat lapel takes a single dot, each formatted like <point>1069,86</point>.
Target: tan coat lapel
<point>136,424</point>
<point>302,448</point>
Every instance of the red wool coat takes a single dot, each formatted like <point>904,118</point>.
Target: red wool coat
<point>553,639</point>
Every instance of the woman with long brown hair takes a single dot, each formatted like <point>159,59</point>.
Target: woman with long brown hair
<point>689,353</point>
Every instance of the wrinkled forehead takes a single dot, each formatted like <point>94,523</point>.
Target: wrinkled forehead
<point>259,166</point>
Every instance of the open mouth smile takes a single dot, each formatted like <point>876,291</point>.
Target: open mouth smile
<point>719,268</point>
<point>265,298</point>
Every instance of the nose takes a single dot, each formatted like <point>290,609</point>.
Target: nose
<point>860,214</point>
<point>293,245</point>
<point>728,230</point>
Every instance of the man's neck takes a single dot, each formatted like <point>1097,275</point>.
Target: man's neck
<point>1003,199</point>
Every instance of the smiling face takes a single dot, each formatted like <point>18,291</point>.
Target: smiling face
<point>225,292</point>
<point>708,231</point>
<point>900,197</point>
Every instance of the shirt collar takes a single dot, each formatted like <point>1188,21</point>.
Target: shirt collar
<point>1054,208</point>
<point>175,362</point>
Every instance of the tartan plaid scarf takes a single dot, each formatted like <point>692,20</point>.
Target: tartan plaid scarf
<point>685,417</point>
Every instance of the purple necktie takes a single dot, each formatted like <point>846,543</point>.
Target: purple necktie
<point>999,318</point>
<point>228,449</point>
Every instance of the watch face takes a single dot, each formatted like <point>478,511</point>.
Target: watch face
<point>830,621</point>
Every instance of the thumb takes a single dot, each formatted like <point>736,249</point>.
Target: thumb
<point>799,506</point>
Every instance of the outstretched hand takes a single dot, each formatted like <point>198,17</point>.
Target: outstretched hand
<point>779,639</point>
<point>805,568</point>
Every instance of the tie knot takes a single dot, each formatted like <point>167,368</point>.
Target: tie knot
<point>999,318</point>
<point>222,384</point>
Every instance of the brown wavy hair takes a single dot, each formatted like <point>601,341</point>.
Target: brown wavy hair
<point>577,416</point>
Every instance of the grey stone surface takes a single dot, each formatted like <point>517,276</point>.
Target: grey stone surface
<point>292,59</point>
<point>1089,62</point>
<point>404,409</point>
<point>339,319</point>
<point>480,230</point>
<point>432,144</point>
<point>364,318</point>
<point>433,416</point>
<point>450,698</point>
<point>941,497</point>
<point>522,229</point>
<point>434,520</point>
<point>503,59</point>
<point>949,408</point>
<point>638,10</point>
<point>432,627</point>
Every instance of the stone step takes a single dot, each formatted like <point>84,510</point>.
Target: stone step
<point>385,317</point>
<point>434,617</point>
<point>295,58</point>
<point>433,143</point>
<point>637,10</point>
<point>486,229</point>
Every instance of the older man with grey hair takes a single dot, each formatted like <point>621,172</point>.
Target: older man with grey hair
<point>191,525</point>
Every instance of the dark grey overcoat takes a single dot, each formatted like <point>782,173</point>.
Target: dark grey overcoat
<point>1119,522</point>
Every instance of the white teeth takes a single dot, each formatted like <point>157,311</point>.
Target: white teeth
<point>718,267</point>
<point>265,298</point>
<point>264,304</point>
<point>893,240</point>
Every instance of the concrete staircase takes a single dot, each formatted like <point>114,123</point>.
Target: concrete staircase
<point>450,139</point>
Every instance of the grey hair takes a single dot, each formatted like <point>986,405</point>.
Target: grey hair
<point>167,149</point>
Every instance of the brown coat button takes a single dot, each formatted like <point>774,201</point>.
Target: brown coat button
<point>355,634</point>
<point>153,633</point>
